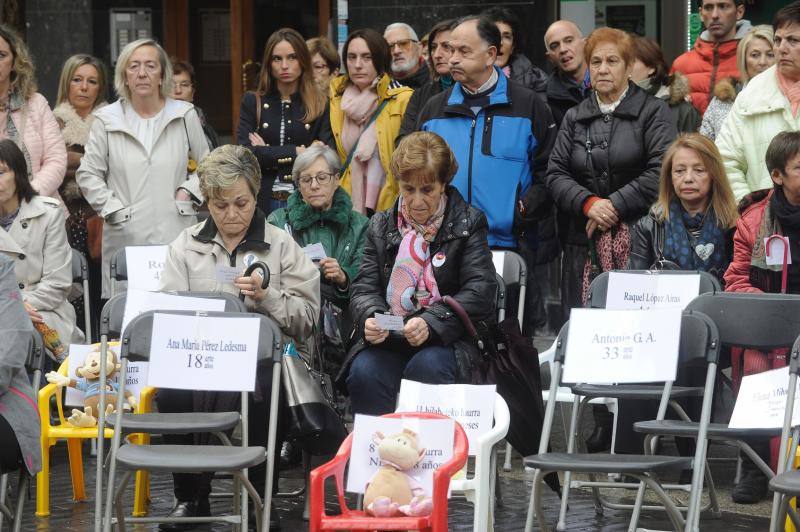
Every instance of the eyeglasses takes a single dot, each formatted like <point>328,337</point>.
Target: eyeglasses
<point>323,178</point>
<point>150,68</point>
<point>321,67</point>
<point>405,44</point>
<point>183,85</point>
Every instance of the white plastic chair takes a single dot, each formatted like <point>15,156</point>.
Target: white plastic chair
<point>479,489</point>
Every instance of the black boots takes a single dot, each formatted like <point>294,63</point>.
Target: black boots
<point>752,486</point>
<point>187,509</point>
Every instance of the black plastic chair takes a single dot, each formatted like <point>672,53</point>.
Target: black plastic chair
<point>34,365</point>
<point>80,275</point>
<point>698,343</point>
<point>136,345</point>
<point>118,268</point>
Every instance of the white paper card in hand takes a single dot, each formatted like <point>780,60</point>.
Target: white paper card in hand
<point>774,254</point>
<point>203,353</point>
<point>650,290</point>
<point>227,274</point>
<point>470,405</point>
<point>139,301</point>
<point>622,346</point>
<point>761,403</point>
<point>144,265</point>
<point>499,261</point>
<point>389,322</point>
<point>315,252</point>
<point>135,382</point>
<point>435,436</point>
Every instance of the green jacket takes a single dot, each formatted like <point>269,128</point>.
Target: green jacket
<point>340,230</point>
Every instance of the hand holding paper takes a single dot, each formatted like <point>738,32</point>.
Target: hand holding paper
<point>373,333</point>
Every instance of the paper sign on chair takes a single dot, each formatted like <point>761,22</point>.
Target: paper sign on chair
<point>203,353</point>
<point>144,265</point>
<point>471,405</point>
<point>761,402</point>
<point>622,346</point>
<point>140,301</point>
<point>135,382</point>
<point>643,291</point>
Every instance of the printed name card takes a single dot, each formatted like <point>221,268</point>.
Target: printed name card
<point>472,406</point>
<point>203,353</point>
<point>144,265</point>
<point>315,252</point>
<point>650,290</point>
<point>389,322</point>
<point>430,438</point>
<point>761,403</point>
<point>622,346</point>
<point>139,301</point>
<point>134,382</point>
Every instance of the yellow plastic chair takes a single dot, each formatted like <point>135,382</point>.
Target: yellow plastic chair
<point>73,435</point>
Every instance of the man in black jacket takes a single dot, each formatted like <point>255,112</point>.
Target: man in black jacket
<point>408,67</point>
<point>569,83</point>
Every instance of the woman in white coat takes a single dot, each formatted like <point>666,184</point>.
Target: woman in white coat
<point>134,173</point>
<point>32,232</point>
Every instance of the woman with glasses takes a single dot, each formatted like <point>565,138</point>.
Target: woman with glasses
<point>185,84</point>
<point>324,60</point>
<point>283,116</point>
<point>134,172</point>
<point>365,117</point>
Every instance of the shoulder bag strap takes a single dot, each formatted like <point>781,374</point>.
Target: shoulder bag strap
<point>369,122</point>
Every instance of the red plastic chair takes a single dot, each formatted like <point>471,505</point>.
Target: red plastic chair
<point>358,520</point>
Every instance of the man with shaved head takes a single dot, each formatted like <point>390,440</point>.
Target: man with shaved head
<point>569,83</point>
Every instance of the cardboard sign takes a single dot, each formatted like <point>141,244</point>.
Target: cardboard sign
<point>203,353</point>
<point>499,261</point>
<point>435,436</point>
<point>389,322</point>
<point>622,346</point>
<point>650,290</point>
<point>472,406</point>
<point>761,403</point>
<point>135,381</point>
<point>315,252</point>
<point>145,264</point>
<point>139,301</point>
<point>775,246</point>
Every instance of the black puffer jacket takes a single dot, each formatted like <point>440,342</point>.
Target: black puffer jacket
<point>415,105</point>
<point>466,274</point>
<point>527,75</point>
<point>563,94</point>
<point>615,156</point>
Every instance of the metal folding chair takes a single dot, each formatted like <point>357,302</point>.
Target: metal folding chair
<point>80,275</point>
<point>786,484</point>
<point>34,364</point>
<point>118,268</point>
<point>136,344</point>
<point>698,343</point>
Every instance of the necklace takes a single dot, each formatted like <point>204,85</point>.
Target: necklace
<point>703,251</point>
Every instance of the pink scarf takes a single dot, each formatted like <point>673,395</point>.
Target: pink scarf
<point>412,284</point>
<point>790,89</point>
<point>366,173</point>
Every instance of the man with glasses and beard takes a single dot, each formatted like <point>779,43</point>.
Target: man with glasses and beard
<point>408,67</point>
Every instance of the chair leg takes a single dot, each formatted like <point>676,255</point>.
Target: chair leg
<point>3,492</point>
<point>76,469</point>
<point>259,506</point>
<point>43,482</point>
<point>672,511</point>
<point>118,503</point>
<point>776,518</point>
<point>507,460</point>
<point>22,491</point>
<point>535,506</point>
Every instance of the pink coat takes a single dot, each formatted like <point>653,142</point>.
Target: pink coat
<point>42,138</point>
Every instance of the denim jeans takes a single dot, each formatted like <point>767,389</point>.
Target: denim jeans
<point>376,372</point>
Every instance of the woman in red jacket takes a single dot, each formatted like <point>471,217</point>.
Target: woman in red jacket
<point>765,213</point>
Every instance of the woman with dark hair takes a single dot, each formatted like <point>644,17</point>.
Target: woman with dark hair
<point>365,117</point>
<point>650,72</point>
<point>283,116</point>
<point>184,88</point>
<point>439,52</point>
<point>510,58</point>
<point>33,233</point>
<point>324,60</point>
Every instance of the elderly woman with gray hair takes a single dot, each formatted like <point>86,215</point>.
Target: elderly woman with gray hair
<point>135,172</point>
<point>236,235</point>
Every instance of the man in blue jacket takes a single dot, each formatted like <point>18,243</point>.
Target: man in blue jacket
<point>500,132</point>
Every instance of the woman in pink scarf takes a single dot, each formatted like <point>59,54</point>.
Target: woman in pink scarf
<point>431,244</point>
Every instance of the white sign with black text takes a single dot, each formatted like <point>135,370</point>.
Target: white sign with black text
<point>622,346</point>
<point>761,403</point>
<point>203,353</point>
<point>650,290</point>
<point>139,301</point>
<point>471,405</point>
<point>144,265</point>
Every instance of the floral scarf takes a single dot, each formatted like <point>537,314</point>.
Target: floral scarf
<point>688,249</point>
<point>412,284</point>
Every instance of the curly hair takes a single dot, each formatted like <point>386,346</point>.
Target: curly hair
<point>424,156</point>
<point>23,73</point>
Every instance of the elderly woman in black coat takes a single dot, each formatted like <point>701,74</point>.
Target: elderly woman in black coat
<point>604,171</point>
<point>431,244</point>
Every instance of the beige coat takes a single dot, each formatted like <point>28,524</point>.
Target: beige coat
<point>37,241</point>
<point>132,189</point>
<point>293,297</point>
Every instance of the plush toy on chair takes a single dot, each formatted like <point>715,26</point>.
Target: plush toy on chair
<point>391,491</point>
<point>89,383</point>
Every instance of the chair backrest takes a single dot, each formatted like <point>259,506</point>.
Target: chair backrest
<point>34,362</point>
<point>501,297</point>
<point>598,290</point>
<point>757,321</point>
<point>113,312</point>
<point>119,265</point>
<point>515,271</point>
<point>80,267</point>
<point>136,339</point>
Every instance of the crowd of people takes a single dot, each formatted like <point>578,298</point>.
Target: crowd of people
<point>408,163</point>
